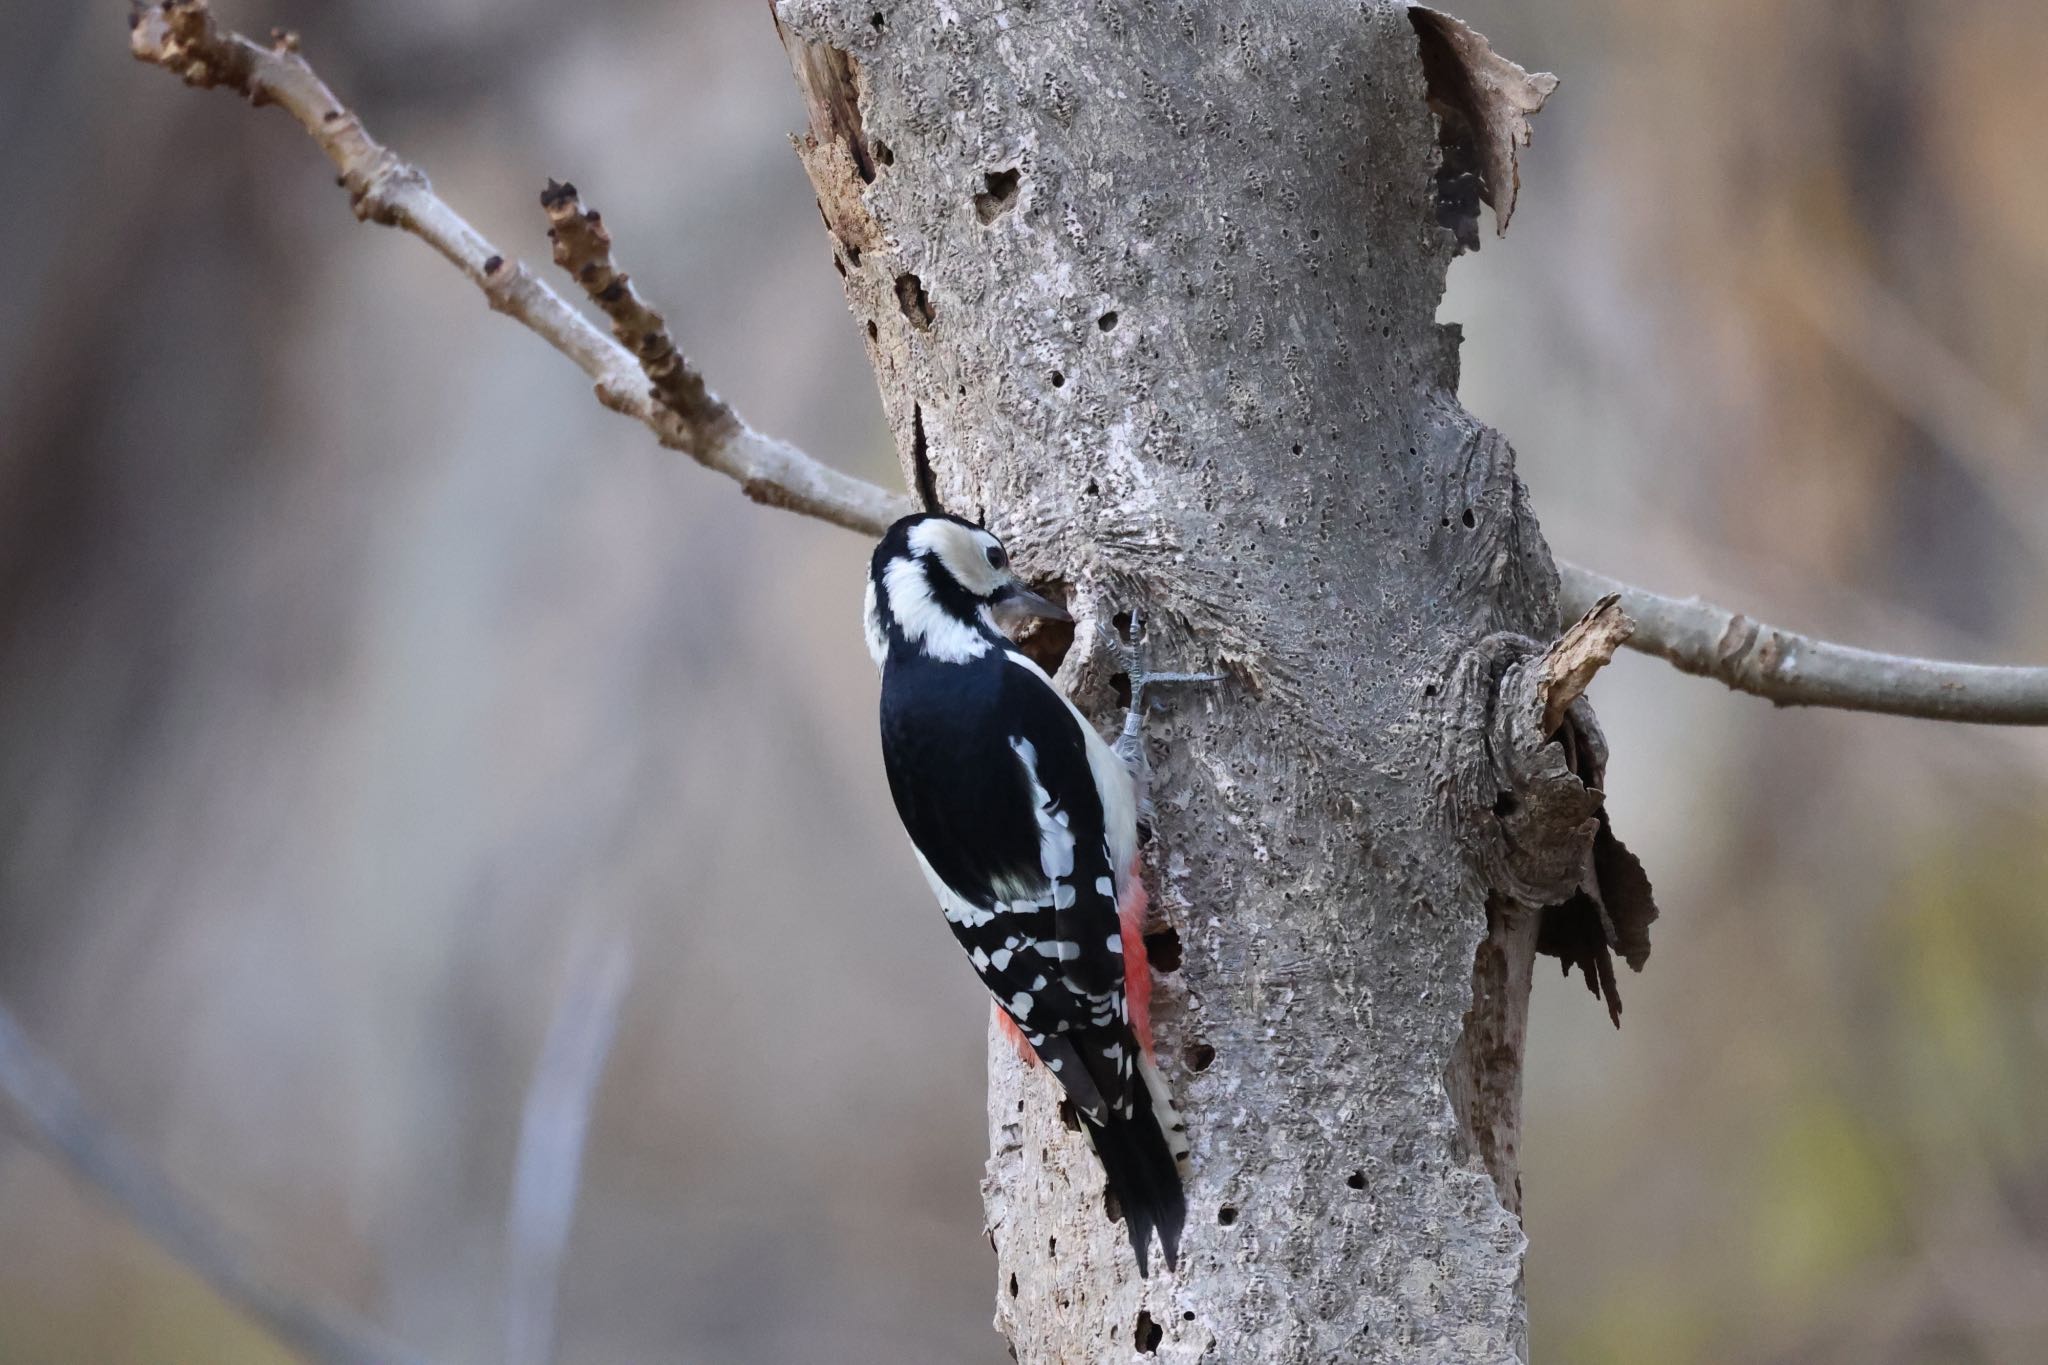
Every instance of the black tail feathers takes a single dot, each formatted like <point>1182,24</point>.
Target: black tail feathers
<point>1143,1177</point>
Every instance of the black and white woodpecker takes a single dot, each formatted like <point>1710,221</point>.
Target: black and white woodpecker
<point>1026,825</point>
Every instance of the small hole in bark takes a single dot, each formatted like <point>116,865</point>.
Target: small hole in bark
<point>874,332</point>
<point>916,305</point>
<point>1468,519</point>
<point>1052,1246</point>
<point>1446,523</point>
<point>1059,380</point>
<point>1505,805</point>
<point>1148,1334</point>
<point>1356,1180</point>
<point>876,22</point>
<point>1199,1056</point>
<point>1429,690</point>
<point>1188,1316</point>
<point>1162,950</point>
<point>883,154</point>
<point>1297,450</point>
<point>852,254</point>
<point>1226,1215</point>
<point>1070,1116</point>
<point>1000,193</point>
<point>1107,322</point>
<point>1092,489</point>
<point>1111,1210</point>
<point>1013,1284</point>
<point>1315,234</point>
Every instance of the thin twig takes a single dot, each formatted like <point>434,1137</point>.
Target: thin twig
<point>182,37</point>
<point>51,1114</point>
<point>552,1129</point>
<point>1797,670</point>
<point>583,247</point>
<point>669,397</point>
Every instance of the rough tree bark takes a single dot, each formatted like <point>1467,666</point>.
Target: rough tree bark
<point>1151,290</point>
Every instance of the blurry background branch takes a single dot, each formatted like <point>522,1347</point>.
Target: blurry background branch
<point>1905,364</point>
<point>552,1130</point>
<point>648,379</point>
<point>51,1114</point>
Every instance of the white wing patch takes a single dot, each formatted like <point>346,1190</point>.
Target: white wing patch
<point>957,908</point>
<point>1112,780</point>
<point>1055,839</point>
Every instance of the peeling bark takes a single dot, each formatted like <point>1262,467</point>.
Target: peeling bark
<point>1483,103</point>
<point>1151,290</point>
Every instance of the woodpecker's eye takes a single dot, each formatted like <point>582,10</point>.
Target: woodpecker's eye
<point>996,558</point>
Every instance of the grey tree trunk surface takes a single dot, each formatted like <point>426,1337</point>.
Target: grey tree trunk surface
<point>1150,289</point>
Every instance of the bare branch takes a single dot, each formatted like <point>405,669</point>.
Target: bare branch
<point>53,1116</point>
<point>649,380</point>
<point>1797,670</point>
<point>182,37</point>
<point>552,1129</point>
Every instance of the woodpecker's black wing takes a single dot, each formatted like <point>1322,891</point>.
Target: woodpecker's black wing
<point>990,772</point>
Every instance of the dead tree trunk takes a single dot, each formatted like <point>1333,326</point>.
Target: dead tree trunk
<point>1151,290</point>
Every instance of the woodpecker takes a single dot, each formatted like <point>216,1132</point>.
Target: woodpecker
<point>1025,822</point>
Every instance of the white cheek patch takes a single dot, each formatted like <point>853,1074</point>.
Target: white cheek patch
<point>871,626</point>
<point>923,622</point>
<point>962,551</point>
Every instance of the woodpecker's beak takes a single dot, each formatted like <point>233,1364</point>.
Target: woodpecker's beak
<point>1015,603</point>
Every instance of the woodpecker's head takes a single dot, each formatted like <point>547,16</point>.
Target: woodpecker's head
<point>940,585</point>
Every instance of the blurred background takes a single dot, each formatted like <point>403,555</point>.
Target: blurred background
<point>354,665</point>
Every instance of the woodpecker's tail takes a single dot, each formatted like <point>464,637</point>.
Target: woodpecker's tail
<point>1141,1155</point>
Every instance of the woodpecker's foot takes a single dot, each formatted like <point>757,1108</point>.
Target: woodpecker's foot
<point>1130,744</point>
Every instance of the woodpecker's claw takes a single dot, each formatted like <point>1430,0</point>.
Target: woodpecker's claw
<point>1130,744</point>
<point>1131,645</point>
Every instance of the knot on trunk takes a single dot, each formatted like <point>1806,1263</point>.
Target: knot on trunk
<point>1521,769</point>
<point>1516,795</point>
